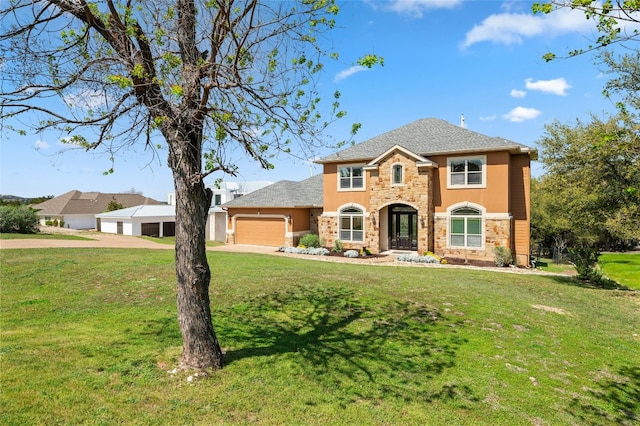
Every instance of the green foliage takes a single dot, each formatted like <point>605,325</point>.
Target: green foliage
<point>587,194</point>
<point>609,18</point>
<point>310,240</point>
<point>338,247</point>
<point>585,260</point>
<point>20,219</point>
<point>114,205</point>
<point>502,256</point>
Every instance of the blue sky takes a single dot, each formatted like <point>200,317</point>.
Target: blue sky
<point>443,59</point>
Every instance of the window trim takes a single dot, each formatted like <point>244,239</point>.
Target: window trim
<point>481,216</point>
<point>393,175</point>
<point>483,184</point>
<point>351,188</point>
<point>342,213</point>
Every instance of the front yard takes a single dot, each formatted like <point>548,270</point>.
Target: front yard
<point>90,336</point>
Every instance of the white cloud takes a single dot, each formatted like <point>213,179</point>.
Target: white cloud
<point>86,99</point>
<point>520,114</point>
<point>348,72</point>
<point>513,28</point>
<point>415,8</point>
<point>518,93</point>
<point>41,145</point>
<point>556,86</point>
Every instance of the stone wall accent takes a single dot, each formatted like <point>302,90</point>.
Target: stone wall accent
<point>497,233</point>
<point>416,191</point>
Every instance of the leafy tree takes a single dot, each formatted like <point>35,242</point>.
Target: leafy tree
<point>113,206</point>
<point>209,77</point>
<point>591,181</point>
<point>20,219</point>
<point>616,21</point>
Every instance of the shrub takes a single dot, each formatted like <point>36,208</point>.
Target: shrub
<point>585,260</point>
<point>310,240</point>
<point>337,246</point>
<point>440,259</point>
<point>21,220</point>
<point>351,253</point>
<point>316,251</point>
<point>417,259</point>
<point>55,222</point>
<point>503,256</point>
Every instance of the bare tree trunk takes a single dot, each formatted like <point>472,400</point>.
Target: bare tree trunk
<point>200,345</point>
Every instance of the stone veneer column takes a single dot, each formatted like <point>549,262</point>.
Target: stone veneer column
<point>416,191</point>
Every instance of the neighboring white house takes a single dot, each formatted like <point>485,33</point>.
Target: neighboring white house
<point>77,210</point>
<point>227,191</point>
<point>156,221</point>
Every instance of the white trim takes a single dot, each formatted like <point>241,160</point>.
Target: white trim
<point>467,204</point>
<point>365,215</point>
<point>402,174</point>
<point>493,216</point>
<point>351,189</point>
<point>483,158</point>
<point>423,161</point>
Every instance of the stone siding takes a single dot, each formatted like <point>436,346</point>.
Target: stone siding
<point>497,233</point>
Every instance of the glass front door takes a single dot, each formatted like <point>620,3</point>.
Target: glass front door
<point>403,228</point>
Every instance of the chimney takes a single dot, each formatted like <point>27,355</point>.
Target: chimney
<point>462,120</point>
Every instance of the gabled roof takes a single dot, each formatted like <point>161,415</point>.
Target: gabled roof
<point>76,202</point>
<point>427,136</point>
<point>420,160</point>
<point>285,193</point>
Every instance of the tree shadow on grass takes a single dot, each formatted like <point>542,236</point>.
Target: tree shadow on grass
<point>605,284</point>
<point>617,401</point>
<point>365,348</point>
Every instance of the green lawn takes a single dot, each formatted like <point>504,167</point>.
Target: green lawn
<point>623,268</point>
<point>89,336</point>
<point>42,236</point>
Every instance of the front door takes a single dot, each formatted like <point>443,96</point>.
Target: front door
<point>403,228</point>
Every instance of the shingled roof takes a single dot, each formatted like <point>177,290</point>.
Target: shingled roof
<point>76,202</point>
<point>427,136</point>
<point>285,193</point>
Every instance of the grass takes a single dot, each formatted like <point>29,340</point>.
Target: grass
<point>42,236</point>
<point>172,241</point>
<point>623,268</point>
<point>548,265</point>
<point>88,336</point>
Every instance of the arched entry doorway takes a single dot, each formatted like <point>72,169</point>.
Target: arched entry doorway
<point>403,227</point>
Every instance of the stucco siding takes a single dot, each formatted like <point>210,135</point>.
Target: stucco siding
<point>494,196</point>
<point>334,198</point>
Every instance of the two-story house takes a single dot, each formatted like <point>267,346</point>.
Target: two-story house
<point>427,186</point>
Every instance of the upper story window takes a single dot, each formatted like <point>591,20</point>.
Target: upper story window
<point>397,174</point>
<point>217,199</point>
<point>465,172</point>
<point>351,177</point>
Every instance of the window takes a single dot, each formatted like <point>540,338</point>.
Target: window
<point>351,177</point>
<point>468,171</point>
<point>218,199</point>
<point>466,228</point>
<point>351,224</point>
<point>397,174</point>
